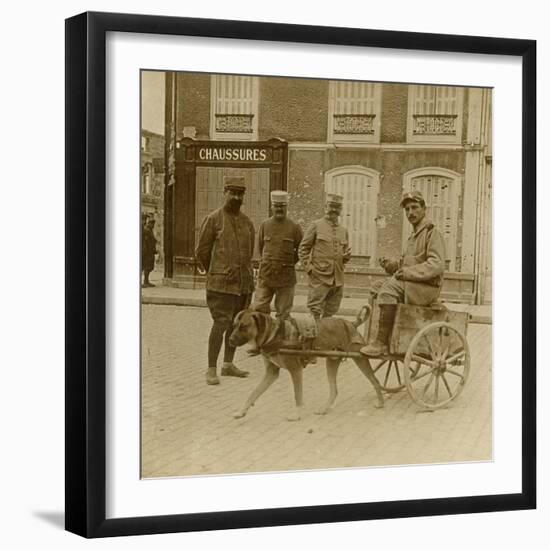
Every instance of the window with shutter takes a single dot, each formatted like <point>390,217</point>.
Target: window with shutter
<point>435,114</point>
<point>441,190</point>
<point>234,107</point>
<point>354,111</point>
<point>359,186</point>
<point>146,174</point>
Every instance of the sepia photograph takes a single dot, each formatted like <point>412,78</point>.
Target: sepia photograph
<point>316,274</point>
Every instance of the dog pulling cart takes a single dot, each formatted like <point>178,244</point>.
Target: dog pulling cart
<point>428,353</point>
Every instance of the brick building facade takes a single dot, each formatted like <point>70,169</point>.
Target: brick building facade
<point>366,141</point>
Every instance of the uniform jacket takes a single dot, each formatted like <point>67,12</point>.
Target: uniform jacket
<point>224,248</point>
<point>278,242</point>
<point>323,251</point>
<point>423,264</point>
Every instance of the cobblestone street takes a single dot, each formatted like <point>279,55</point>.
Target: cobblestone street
<point>188,427</point>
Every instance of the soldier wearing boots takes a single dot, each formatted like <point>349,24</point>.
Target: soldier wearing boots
<point>416,278</point>
<point>225,247</point>
<point>324,251</point>
<point>278,240</point>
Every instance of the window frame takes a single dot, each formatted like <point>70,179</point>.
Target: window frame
<point>234,136</point>
<point>147,178</point>
<point>354,138</point>
<point>437,138</point>
<point>457,179</point>
<point>372,228</point>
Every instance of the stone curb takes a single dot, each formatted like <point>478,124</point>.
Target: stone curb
<point>198,302</point>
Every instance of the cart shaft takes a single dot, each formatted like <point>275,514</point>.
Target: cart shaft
<point>321,353</point>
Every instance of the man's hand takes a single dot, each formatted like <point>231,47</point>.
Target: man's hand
<point>347,255</point>
<point>388,265</point>
<point>399,274</point>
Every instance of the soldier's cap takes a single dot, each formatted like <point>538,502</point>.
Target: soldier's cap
<point>234,182</point>
<point>333,198</point>
<point>279,197</point>
<point>414,196</point>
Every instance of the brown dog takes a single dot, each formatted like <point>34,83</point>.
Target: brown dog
<point>265,334</point>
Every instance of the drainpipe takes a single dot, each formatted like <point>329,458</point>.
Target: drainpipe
<point>480,206</point>
<point>169,168</point>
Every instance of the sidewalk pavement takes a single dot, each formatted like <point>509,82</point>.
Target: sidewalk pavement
<point>165,295</point>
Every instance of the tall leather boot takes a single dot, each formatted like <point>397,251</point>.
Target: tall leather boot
<point>312,360</point>
<point>385,323</point>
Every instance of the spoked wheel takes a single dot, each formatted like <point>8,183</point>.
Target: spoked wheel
<point>437,364</point>
<point>390,373</point>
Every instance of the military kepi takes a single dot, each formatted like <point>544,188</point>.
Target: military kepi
<point>415,196</point>
<point>279,197</point>
<point>234,182</point>
<point>334,198</point>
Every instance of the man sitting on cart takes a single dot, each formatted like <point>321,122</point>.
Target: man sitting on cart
<point>416,278</point>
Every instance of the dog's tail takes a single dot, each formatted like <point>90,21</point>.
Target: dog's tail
<point>362,315</point>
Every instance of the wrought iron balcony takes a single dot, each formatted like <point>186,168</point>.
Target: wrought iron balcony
<point>234,124</point>
<point>434,125</point>
<point>354,124</point>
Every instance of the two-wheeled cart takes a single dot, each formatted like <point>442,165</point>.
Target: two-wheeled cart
<point>428,353</point>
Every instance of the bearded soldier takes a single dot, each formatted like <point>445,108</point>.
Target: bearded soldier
<point>225,247</point>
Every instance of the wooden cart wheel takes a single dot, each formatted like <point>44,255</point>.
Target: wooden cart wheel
<point>390,375</point>
<point>442,355</point>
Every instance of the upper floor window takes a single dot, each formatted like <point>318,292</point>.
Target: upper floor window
<point>144,143</point>
<point>441,190</point>
<point>359,186</point>
<point>147,178</point>
<point>435,114</point>
<point>234,107</point>
<point>354,111</point>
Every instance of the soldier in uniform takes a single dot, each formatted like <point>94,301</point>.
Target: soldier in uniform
<point>323,252</point>
<point>416,277</point>
<point>148,250</point>
<point>278,240</point>
<point>225,247</point>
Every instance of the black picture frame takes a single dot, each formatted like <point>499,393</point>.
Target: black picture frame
<point>86,279</point>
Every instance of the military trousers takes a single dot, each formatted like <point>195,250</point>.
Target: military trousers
<point>284,298</point>
<point>391,291</point>
<point>324,300</point>
<point>223,309</point>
